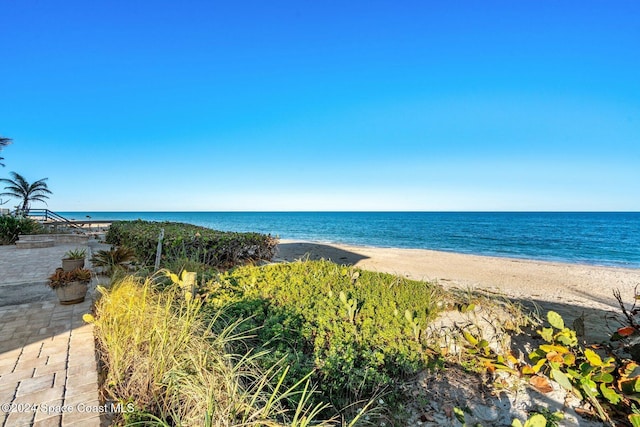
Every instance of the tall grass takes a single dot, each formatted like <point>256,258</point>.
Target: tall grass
<point>160,354</point>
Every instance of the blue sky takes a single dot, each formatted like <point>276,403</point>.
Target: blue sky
<point>324,105</point>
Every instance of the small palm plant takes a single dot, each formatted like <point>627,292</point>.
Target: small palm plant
<point>75,254</point>
<point>115,258</point>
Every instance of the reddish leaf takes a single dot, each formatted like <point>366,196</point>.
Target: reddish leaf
<point>541,384</point>
<point>626,331</point>
<point>553,356</point>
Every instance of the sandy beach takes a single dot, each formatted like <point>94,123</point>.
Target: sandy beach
<point>570,289</point>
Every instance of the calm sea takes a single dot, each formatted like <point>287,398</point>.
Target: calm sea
<point>611,238</point>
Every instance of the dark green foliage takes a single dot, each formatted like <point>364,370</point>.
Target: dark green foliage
<point>113,258</point>
<point>3,143</point>
<point>12,226</point>
<point>352,326</point>
<point>185,241</point>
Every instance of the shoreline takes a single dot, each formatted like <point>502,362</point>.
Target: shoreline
<point>471,254</point>
<point>592,238</point>
<point>570,289</point>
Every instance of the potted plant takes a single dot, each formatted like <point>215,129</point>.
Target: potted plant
<point>73,259</point>
<point>70,286</point>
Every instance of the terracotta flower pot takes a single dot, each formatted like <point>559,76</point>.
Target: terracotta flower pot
<point>69,264</point>
<point>72,293</point>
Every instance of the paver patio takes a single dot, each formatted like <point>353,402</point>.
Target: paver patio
<point>48,372</point>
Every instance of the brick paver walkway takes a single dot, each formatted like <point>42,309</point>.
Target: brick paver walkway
<point>48,374</point>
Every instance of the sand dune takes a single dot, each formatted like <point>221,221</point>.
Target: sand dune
<point>571,289</point>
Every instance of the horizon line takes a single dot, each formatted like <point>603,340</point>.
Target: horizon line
<point>352,211</point>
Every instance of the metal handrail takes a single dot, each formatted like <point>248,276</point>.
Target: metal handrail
<point>50,216</point>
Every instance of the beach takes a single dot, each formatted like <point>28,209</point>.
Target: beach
<point>573,290</point>
<point>570,289</point>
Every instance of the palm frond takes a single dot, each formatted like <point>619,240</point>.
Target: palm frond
<point>20,188</point>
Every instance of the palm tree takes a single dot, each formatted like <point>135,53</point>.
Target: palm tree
<point>3,143</point>
<point>20,188</point>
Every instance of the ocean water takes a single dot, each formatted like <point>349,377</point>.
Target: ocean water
<point>599,238</point>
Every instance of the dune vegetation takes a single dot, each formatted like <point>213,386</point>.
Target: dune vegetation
<point>249,343</point>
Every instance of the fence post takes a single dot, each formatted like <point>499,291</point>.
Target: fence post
<point>159,250</point>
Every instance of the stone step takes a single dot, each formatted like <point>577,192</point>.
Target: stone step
<point>58,238</point>
<point>32,244</point>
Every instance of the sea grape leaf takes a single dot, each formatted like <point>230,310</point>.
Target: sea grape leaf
<point>593,357</point>
<point>571,373</point>
<point>589,387</point>
<point>603,377</point>
<point>555,320</point>
<point>610,394</point>
<point>561,379</point>
<point>536,355</point>
<point>569,359</point>
<point>553,356</point>
<point>631,370</point>
<point>634,419</point>
<point>567,337</point>
<point>539,365</point>
<point>626,331</point>
<point>552,347</point>
<point>541,384</point>
<point>546,334</point>
<point>630,386</point>
<point>537,420</point>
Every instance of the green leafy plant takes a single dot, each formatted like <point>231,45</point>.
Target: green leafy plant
<point>601,381</point>
<point>535,420</point>
<point>113,259</point>
<point>351,306</point>
<point>75,254</point>
<point>414,323</point>
<point>575,369</point>
<point>11,227</point>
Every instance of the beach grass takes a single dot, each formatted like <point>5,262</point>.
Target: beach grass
<point>160,353</point>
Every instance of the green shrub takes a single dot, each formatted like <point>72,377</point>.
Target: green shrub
<point>361,331</point>
<point>186,241</point>
<point>12,226</point>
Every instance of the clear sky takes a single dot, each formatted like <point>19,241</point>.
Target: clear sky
<point>323,105</point>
